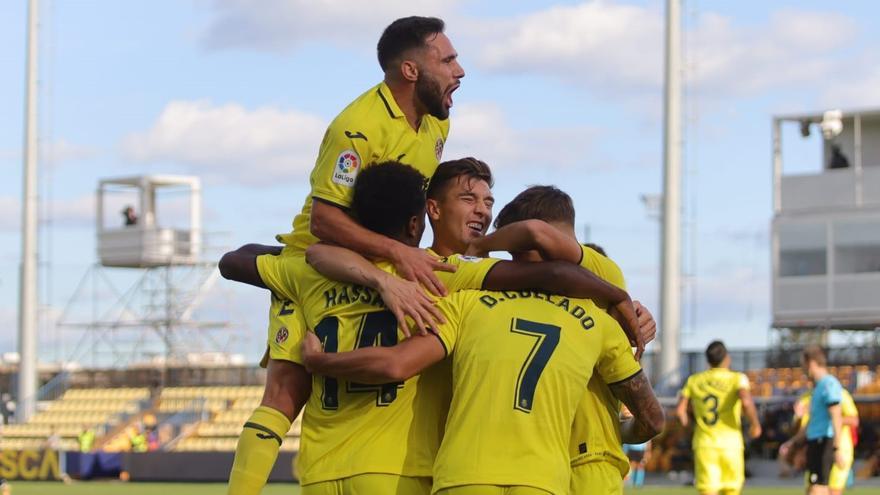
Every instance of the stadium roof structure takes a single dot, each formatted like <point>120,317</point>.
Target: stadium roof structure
<point>825,240</point>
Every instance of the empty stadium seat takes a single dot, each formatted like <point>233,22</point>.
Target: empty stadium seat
<point>67,416</point>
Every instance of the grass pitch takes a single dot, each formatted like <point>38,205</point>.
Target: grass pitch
<point>114,488</point>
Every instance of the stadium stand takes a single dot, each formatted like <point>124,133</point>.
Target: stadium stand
<point>229,408</point>
<point>186,419</point>
<point>67,417</point>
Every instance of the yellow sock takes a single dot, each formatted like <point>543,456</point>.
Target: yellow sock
<point>257,450</point>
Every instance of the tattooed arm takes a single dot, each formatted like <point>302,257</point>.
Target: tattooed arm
<point>648,418</point>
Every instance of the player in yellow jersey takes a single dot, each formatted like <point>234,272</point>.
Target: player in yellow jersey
<point>542,217</point>
<point>656,409</point>
<point>359,438</point>
<point>520,360</point>
<point>403,118</point>
<point>849,415</point>
<point>717,397</point>
<point>602,467</point>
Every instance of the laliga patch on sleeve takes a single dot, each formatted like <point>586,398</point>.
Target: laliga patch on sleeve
<point>348,163</point>
<point>438,148</point>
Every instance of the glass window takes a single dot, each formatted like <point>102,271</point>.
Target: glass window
<point>802,249</point>
<point>857,246</point>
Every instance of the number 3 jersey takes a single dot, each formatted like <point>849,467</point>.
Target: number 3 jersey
<point>521,361</point>
<point>714,398</point>
<point>351,428</point>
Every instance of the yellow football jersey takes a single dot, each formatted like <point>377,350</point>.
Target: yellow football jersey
<point>351,428</point>
<point>520,364</point>
<point>714,397</point>
<point>595,434</point>
<point>848,409</point>
<point>370,130</point>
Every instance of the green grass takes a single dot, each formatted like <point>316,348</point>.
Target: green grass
<point>114,488</point>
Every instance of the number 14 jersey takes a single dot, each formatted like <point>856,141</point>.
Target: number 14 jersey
<point>352,428</point>
<point>714,397</point>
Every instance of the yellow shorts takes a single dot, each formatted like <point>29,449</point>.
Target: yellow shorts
<point>286,325</point>
<point>371,484</point>
<point>719,470</point>
<point>599,478</point>
<point>492,490</point>
<point>838,477</point>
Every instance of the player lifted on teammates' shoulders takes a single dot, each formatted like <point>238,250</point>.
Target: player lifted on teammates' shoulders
<point>717,397</point>
<point>403,118</point>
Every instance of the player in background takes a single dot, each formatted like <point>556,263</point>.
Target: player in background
<point>638,454</point>
<point>717,397</point>
<point>542,218</point>
<point>358,438</point>
<point>849,419</point>
<point>824,430</point>
<point>405,118</point>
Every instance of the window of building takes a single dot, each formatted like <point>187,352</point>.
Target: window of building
<point>802,250</point>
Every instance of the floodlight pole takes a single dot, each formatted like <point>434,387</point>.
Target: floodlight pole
<point>670,273</point>
<point>27,308</point>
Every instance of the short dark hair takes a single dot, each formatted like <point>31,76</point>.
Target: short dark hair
<point>715,353</point>
<point>816,354</point>
<point>386,196</point>
<point>595,247</point>
<point>405,34</point>
<point>451,170</point>
<point>547,203</point>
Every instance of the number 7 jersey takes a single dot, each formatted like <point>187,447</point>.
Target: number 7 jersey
<point>714,398</point>
<point>521,361</point>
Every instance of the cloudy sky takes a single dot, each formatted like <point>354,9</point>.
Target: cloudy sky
<point>563,92</point>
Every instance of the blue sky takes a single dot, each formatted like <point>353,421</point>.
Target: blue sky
<point>567,93</point>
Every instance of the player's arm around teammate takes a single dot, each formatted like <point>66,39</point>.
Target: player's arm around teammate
<point>409,358</point>
<point>552,243</point>
<point>648,418</point>
<point>403,298</point>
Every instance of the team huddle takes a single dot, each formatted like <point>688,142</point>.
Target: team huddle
<point>443,370</point>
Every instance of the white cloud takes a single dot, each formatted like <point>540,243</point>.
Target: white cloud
<point>482,130</point>
<point>794,48</point>
<point>733,293</point>
<point>229,142</point>
<point>55,153</point>
<point>280,25</point>
<point>846,91</point>
<point>63,213</point>
<point>10,213</point>
<point>617,48</point>
<point>593,43</point>
<point>63,150</point>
